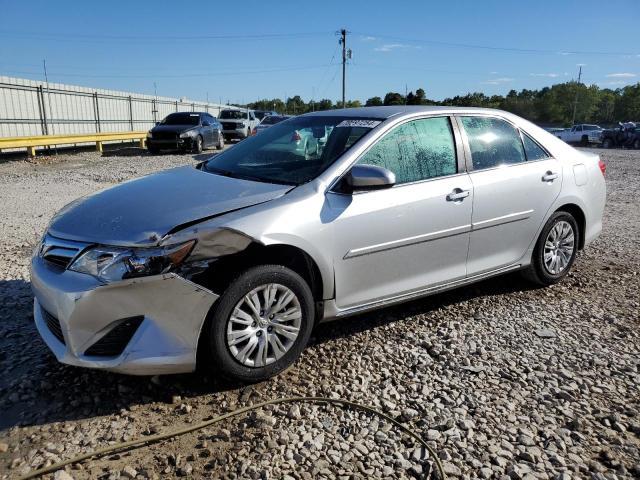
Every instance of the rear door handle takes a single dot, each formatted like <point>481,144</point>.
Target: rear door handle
<point>457,195</point>
<point>549,176</point>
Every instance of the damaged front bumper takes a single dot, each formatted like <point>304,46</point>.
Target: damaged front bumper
<point>141,326</point>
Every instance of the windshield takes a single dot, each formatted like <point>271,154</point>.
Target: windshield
<point>181,119</point>
<point>292,152</point>
<point>233,115</point>
<point>272,120</point>
<point>591,127</point>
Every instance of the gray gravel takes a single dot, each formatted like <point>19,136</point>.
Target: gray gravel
<point>503,380</point>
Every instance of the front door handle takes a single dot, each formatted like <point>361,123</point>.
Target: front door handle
<point>549,176</point>
<point>457,195</point>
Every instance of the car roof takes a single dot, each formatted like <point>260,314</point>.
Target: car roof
<point>394,110</point>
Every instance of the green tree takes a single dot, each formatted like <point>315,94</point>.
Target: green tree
<point>393,98</point>
<point>373,102</point>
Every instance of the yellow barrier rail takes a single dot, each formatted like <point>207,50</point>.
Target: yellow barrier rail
<point>50,140</point>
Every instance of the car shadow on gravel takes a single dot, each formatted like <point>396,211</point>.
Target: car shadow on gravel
<point>501,285</point>
<point>36,389</point>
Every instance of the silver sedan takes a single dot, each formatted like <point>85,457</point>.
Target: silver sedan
<point>231,263</point>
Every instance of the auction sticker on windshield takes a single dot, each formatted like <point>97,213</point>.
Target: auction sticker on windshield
<point>359,123</point>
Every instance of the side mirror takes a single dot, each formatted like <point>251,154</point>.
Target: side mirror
<point>206,124</point>
<point>157,123</point>
<point>369,177</point>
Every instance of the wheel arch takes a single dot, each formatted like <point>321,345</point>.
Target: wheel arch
<point>580,217</point>
<point>225,269</point>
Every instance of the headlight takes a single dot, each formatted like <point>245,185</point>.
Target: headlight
<point>240,125</point>
<point>111,264</point>
<point>187,134</point>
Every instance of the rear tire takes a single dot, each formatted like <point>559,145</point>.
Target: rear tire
<point>584,141</point>
<point>607,143</point>
<point>555,250</point>
<point>636,144</point>
<point>153,150</point>
<point>252,344</point>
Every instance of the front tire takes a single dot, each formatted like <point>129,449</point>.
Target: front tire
<point>198,145</point>
<point>220,145</point>
<point>260,324</point>
<point>555,250</point>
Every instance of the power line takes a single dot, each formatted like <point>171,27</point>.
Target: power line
<point>495,48</point>
<point>180,75</point>
<point>58,36</point>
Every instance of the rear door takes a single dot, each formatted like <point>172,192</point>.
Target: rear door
<point>392,242</point>
<point>515,182</point>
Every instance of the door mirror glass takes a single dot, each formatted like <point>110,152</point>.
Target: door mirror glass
<point>205,123</point>
<point>369,177</point>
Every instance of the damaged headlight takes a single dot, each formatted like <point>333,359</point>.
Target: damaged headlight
<point>110,264</point>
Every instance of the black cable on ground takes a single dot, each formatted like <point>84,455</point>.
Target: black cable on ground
<point>101,452</point>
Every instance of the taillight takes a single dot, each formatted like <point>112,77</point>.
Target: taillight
<point>295,137</point>
<point>603,167</point>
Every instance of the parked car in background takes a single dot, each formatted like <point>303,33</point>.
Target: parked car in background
<point>232,263</point>
<point>625,135</point>
<point>260,114</point>
<point>583,134</point>
<point>186,131</point>
<point>269,121</point>
<point>237,124</point>
<point>554,129</point>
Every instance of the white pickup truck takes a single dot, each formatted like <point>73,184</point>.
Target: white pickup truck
<point>583,134</point>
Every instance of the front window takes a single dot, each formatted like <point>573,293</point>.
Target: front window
<point>233,115</point>
<point>292,152</point>
<point>181,119</point>
<point>416,150</point>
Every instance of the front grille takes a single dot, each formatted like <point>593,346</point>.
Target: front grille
<point>53,324</point>
<point>60,252</point>
<point>165,135</point>
<point>114,342</point>
<point>229,126</point>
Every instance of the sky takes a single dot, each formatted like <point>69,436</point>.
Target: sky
<point>232,51</point>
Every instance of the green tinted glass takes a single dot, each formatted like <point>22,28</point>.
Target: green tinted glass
<point>416,150</point>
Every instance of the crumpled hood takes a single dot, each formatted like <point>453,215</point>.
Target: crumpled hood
<point>142,211</point>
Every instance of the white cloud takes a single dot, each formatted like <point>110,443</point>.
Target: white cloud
<point>388,47</point>
<point>548,75</point>
<point>368,38</point>
<point>621,75</point>
<point>498,81</point>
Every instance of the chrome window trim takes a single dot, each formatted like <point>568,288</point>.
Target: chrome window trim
<point>457,142</point>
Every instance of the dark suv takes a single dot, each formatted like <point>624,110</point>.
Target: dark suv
<point>186,131</point>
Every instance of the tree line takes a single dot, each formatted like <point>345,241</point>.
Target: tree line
<point>548,106</point>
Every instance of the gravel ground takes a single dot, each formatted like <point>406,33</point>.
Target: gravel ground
<point>503,380</point>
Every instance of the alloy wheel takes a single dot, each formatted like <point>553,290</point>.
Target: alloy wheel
<point>559,247</point>
<point>264,325</point>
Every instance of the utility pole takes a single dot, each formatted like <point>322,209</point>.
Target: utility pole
<point>575,101</point>
<point>343,42</point>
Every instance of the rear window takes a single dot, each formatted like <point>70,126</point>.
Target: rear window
<point>272,120</point>
<point>493,142</point>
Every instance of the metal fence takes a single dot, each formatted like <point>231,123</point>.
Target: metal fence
<point>29,107</point>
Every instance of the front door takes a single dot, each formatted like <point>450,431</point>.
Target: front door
<point>515,182</point>
<point>392,242</point>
